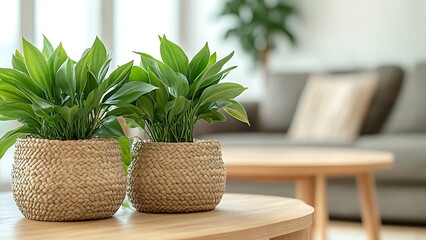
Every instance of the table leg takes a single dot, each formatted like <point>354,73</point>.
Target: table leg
<point>305,190</point>
<point>299,235</point>
<point>370,214</point>
<point>321,207</point>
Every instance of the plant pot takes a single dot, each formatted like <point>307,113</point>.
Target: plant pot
<point>55,180</point>
<point>176,177</point>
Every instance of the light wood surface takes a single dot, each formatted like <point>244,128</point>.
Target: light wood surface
<point>321,217</point>
<point>277,163</point>
<point>368,199</point>
<point>310,168</point>
<point>238,216</point>
<point>305,190</point>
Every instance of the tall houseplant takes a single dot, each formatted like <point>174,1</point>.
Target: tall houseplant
<point>257,25</point>
<point>63,170</point>
<point>173,172</point>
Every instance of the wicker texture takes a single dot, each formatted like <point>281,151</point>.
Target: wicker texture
<point>176,177</point>
<point>55,180</point>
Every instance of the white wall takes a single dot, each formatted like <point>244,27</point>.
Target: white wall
<point>332,34</point>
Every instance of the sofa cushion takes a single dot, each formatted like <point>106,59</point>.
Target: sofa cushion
<point>333,107</point>
<point>282,94</point>
<point>283,90</point>
<point>390,81</point>
<point>409,114</point>
<point>410,155</point>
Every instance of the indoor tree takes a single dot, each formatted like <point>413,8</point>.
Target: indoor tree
<point>257,23</point>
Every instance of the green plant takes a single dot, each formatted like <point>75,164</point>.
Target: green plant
<point>187,91</point>
<point>55,97</point>
<point>257,23</point>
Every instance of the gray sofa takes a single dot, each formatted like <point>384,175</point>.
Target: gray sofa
<point>399,128</point>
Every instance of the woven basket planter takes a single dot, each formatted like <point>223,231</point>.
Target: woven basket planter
<point>176,177</point>
<point>55,180</point>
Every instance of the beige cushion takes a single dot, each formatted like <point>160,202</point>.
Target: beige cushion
<point>333,107</point>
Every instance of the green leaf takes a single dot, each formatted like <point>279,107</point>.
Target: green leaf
<point>237,111</point>
<point>119,75</point>
<point>18,62</point>
<point>220,91</point>
<point>126,155</point>
<point>149,62</point>
<point>14,78</point>
<point>110,127</point>
<point>47,48</point>
<point>169,77</point>
<point>146,105</point>
<point>213,106</point>
<point>174,56</point>
<point>56,59</point>
<point>129,92</point>
<point>104,70</point>
<point>124,110</point>
<point>81,72</point>
<point>65,78</point>
<point>195,89</point>
<point>29,94</point>
<point>161,95</point>
<point>67,113</point>
<point>215,68</point>
<point>10,93</point>
<point>217,77</point>
<point>20,80</point>
<point>181,104</point>
<point>138,74</point>
<point>97,56</point>
<point>182,85</point>
<point>212,116</point>
<point>91,84</point>
<point>169,105</point>
<point>212,59</point>
<point>37,67</point>
<point>9,138</point>
<point>22,112</point>
<point>199,63</point>
<point>210,73</point>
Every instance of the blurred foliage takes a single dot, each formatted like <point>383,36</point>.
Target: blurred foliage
<point>257,23</point>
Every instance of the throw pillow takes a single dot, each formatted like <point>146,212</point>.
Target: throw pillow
<point>333,107</point>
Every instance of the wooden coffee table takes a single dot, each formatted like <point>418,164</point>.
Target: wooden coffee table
<point>310,168</point>
<point>238,216</point>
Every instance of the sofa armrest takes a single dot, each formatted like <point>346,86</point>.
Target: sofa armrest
<point>231,124</point>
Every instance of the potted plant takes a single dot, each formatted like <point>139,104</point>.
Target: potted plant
<point>67,160</point>
<point>173,172</point>
<point>257,24</point>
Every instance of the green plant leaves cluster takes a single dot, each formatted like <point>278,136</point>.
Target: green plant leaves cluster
<point>55,97</point>
<point>188,90</point>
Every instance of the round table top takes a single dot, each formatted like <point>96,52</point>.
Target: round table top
<point>271,162</point>
<point>238,216</point>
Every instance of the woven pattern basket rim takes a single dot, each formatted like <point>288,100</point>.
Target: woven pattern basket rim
<point>92,140</point>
